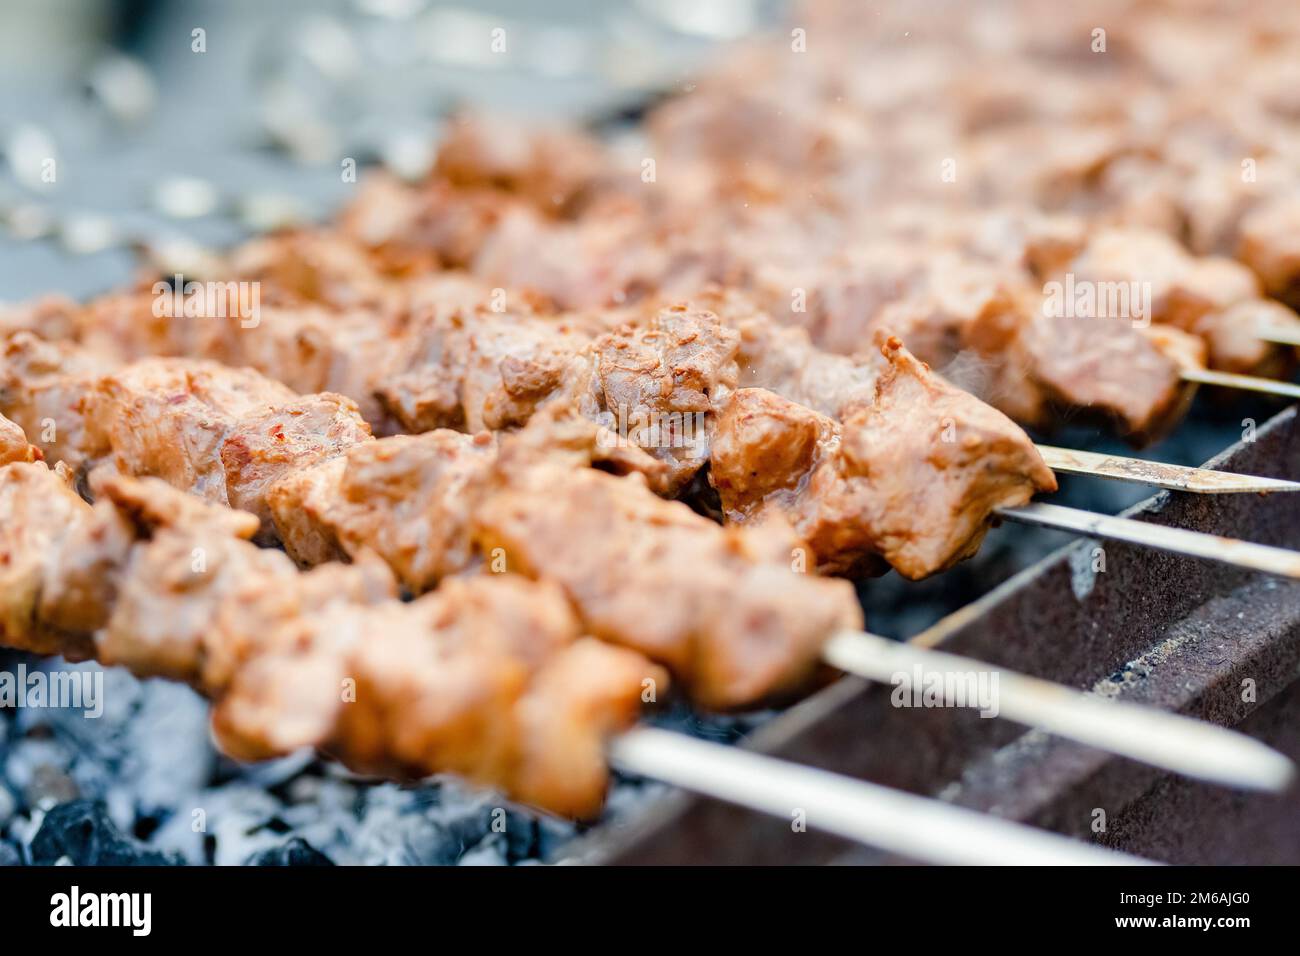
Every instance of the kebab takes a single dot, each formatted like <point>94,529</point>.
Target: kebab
<point>682,362</point>
<point>486,677</point>
<point>329,491</point>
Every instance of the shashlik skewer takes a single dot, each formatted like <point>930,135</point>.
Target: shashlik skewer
<point>827,477</point>
<point>919,829</point>
<point>487,678</point>
<point>980,322</point>
<point>404,498</point>
<point>1203,481</point>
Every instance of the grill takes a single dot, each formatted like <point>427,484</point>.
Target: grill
<point>1152,628</point>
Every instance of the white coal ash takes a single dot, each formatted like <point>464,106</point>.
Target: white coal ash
<point>143,784</point>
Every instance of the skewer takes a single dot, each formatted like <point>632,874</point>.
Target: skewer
<point>1279,336</point>
<point>1172,477</point>
<point>1179,744</point>
<point>1195,544</point>
<point>916,827</point>
<point>1251,383</point>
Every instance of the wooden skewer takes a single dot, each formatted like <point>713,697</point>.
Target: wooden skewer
<point>1251,383</point>
<point>1173,477</point>
<point>918,828</point>
<point>1195,544</point>
<point>1169,741</point>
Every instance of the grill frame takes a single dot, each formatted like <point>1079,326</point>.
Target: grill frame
<point>1185,647</point>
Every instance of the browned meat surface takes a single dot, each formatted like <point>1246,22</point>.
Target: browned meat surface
<point>913,473</point>
<point>721,607</point>
<point>405,498</point>
<point>1040,363</point>
<point>38,511</point>
<point>13,444</point>
<point>487,677</point>
<point>479,370</point>
<point>657,387</point>
<point>42,387</point>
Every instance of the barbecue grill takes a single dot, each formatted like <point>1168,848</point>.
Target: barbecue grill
<point>1126,632</point>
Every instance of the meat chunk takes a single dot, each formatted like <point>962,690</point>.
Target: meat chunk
<point>479,370</point>
<point>406,498</point>
<point>272,443</point>
<point>42,389</point>
<point>1181,288</point>
<point>13,444</point>
<point>485,678</point>
<point>38,510</point>
<point>656,386</point>
<point>895,477</point>
<point>1269,243</point>
<point>170,417</point>
<point>721,607</point>
<point>1040,364</point>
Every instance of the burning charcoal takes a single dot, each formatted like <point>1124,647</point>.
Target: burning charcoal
<point>82,832</point>
<point>9,855</point>
<point>293,852</point>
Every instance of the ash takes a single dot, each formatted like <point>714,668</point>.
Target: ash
<point>143,785</point>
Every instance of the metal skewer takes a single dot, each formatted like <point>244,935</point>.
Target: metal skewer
<point>1196,544</point>
<point>919,828</point>
<point>1251,383</point>
<point>1279,336</point>
<point>1169,741</point>
<point>1173,477</point>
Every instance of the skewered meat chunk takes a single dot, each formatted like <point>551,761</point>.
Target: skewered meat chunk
<point>483,370</point>
<point>13,444</point>
<point>42,386</point>
<point>657,386</point>
<point>38,510</point>
<point>223,434</point>
<point>487,677</point>
<point>910,441</point>
<point>849,487</point>
<point>1041,363</point>
<point>406,498</point>
<point>721,607</point>
<point>1269,244</point>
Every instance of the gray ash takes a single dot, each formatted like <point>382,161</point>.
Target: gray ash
<point>143,784</point>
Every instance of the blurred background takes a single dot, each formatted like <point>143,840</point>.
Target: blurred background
<point>171,124</point>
